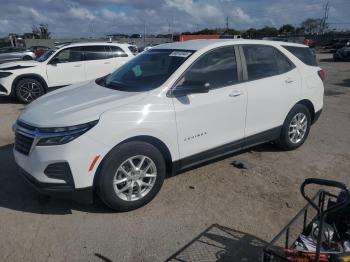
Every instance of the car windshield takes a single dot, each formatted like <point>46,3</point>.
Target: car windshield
<point>46,55</point>
<point>146,71</point>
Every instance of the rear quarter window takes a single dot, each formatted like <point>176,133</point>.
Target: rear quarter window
<point>304,54</point>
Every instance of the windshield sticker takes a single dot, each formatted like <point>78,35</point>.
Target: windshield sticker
<point>180,54</point>
<point>137,70</point>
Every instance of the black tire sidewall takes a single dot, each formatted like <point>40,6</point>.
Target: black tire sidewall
<point>110,165</point>
<point>284,140</point>
<point>24,80</point>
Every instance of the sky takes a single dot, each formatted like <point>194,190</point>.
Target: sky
<point>94,18</point>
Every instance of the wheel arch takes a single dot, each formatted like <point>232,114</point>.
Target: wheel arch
<point>156,142</point>
<point>309,105</point>
<point>34,76</point>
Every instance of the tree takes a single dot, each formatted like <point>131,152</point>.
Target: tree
<point>267,31</point>
<point>314,26</point>
<point>287,29</point>
<point>42,31</point>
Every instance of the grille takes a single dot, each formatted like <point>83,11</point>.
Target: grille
<point>23,143</point>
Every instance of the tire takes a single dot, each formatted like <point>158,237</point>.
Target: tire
<point>28,89</point>
<point>27,57</point>
<point>295,131</point>
<point>110,188</point>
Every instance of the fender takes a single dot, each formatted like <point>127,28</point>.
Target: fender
<point>37,76</point>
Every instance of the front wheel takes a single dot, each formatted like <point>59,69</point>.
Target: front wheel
<point>28,89</point>
<point>296,128</point>
<point>131,176</point>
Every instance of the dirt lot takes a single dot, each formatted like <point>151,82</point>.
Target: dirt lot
<point>215,212</point>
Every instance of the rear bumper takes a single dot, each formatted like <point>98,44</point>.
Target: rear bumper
<point>317,116</point>
<point>61,191</point>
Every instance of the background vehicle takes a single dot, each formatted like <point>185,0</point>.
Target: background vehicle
<point>342,54</point>
<point>342,42</point>
<point>39,50</point>
<point>67,65</point>
<point>8,54</point>
<point>169,108</point>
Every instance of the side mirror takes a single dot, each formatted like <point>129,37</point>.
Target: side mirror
<point>190,87</point>
<point>54,61</point>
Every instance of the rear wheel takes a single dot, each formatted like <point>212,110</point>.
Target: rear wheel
<point>29,89</point>
<point>27,57</point>
<point>296,128</point>
<point>131,176</point>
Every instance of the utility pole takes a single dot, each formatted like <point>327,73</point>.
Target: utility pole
<point>325,17</point>
<point>226,23</point>
<point>144,35</point>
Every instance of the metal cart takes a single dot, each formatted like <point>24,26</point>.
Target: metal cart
<point>284,246</point>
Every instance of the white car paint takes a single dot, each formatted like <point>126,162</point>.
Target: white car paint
<point>61,74</point>
<point>213,119</point>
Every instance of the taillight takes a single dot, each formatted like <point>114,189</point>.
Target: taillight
<point>321,74</point>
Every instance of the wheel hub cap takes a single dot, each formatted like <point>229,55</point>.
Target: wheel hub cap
<point>297,128</point>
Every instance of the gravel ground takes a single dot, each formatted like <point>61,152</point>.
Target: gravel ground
<point>214,212</point>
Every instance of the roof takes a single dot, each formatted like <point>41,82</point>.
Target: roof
<point>95,43</point>
<point>203,43</point>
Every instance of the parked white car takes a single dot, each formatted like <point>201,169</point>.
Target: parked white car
<point>73,63</point>
<point>169,108</point>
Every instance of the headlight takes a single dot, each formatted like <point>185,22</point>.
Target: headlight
<point>62,135</point>
<point>5,74</point>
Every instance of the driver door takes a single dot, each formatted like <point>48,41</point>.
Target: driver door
<point>66,67</point>
<point>215,120</point>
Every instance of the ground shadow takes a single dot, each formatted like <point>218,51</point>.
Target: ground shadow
<point>327,60</point>
<point>16,194</point>
<point>345,83</point>
<point>332,93</point>
<point>9,100</point>
<point>219,243</point>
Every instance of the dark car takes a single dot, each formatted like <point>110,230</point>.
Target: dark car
<point>342,54</point>
<point>341,43</point>
<point>136,36</point>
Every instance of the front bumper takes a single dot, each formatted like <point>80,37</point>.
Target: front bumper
<point>6,85</point>
<point>62,191</point>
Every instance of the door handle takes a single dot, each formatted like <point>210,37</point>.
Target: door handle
<point>107,63</point>
<point>289,80</point>
<point>236,93</point>
<point>77,66</point>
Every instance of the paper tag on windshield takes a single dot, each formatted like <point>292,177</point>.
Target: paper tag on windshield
<point>180,54</point>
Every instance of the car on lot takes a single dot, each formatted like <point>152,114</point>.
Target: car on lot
<point>69,64</point>
<point>342,54</point>
<point>342,42</point>
<point>8,54</point>
<point>168,109</point>
<point>39,50</point>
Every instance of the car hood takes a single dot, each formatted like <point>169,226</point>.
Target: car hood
<point>76,104</point>
<point>18,65</point>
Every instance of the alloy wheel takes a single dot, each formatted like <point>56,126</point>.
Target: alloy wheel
<point>29,91</point>
<point>135,178</point>
<point>297,128</point>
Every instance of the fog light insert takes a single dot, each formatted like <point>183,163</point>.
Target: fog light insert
<point>61,171</point>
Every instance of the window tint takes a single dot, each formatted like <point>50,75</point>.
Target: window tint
<point>117,51</point>
<point>97,52</point>
<point>67,55</point>
<point>305,54</point>
<point>218,68</point>
<point>265,61</point>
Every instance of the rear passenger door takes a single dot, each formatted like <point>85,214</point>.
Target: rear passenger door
<point>273,86</point>
<point>98,61</point>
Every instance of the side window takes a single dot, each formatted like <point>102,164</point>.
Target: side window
<point>283,63</point>
<point>67,55</point>
<point>305,54</point>
<point>117,51</point>
<point>218,68</point>
<point>260,61</point>
<point>97,52</point>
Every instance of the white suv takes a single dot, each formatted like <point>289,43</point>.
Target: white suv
<point>172,107</point>
<point>72,63</point>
